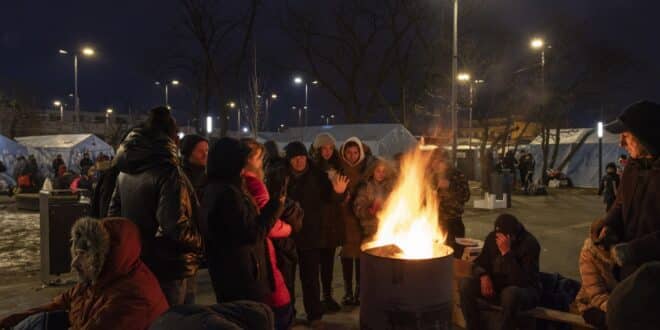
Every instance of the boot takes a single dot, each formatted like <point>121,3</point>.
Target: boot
<point>356,298</point>
<point>330,305</point>
<point>348,299</point>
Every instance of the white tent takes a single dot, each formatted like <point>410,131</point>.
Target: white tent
<point>71,146</point>
<point>9,150</point>
<point>583,166</point>
<point>384,140</point>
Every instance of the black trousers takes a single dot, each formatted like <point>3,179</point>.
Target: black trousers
<point>309,261</point>
<point>347,271</point>
<point>327,268</point>
<point>513,299</point>
<point>455,228</point>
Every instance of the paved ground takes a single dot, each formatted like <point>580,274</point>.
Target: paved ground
<point>560,221</point>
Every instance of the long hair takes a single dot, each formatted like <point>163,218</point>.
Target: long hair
<point>256,150</point>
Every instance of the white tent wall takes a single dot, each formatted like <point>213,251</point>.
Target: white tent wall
<point>385,140</point>
<point>582,169</point>
<point>9,151</point>
<point>71,146</point>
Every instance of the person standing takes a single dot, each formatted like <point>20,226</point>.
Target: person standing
<point>453,192</point>
<point>57,162</point>
<point>353,166</point>
<point>635,214</point>
<point>526,167</point>
<point>310,187</point>
<point>609,184</point>
<point>153,192</point>
<point>195,153</point>
<point>372,194</point>
<point>86,162</point>
<point>326,158</point>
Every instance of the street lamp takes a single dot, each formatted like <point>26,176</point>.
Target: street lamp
<point>60,105</point>
<point>108,112</point>
<point>294,108</point>
<point>232,105</point>
<point>273,97</point>
<point>166,85</point>
<point>327,118</point>
<point>539,44</point>
<point>600,150</point>
<point>209,124</point>
<point>454,71</point>
<point>298,80</point>
<point>85,51</point>
<point>465,78</point>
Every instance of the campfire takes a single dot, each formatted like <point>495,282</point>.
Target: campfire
<point>408,222</point>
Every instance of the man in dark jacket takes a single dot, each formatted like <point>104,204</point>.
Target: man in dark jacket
<point>311,188</point>
<point>153,192</point>
<point>57,162</point>
<point>85,163</point>
<point>194,154</point>
<point>506,273</point>
<point>635,215</point>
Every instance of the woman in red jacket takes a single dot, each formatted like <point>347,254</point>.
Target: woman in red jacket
<point>280,299</point>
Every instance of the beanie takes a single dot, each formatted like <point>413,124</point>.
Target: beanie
<point>294,149</point>
<point>324,139</point>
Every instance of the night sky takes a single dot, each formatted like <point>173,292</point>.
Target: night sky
<point>123,32</point>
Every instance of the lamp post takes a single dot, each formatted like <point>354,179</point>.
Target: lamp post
<point>272,98</point>
<point>600,150</point>
<point>108,113</point>
<point>232,105</point>
<point>85,51</point>
<point>465,78</point>
<point>166,85</point>
<point>60,105</point>
<point>454,69</point>
<point>294,108</point>
<point>298,80</point>
<point>209,124</point>
<point>327,118</point>
<point>539,44</point>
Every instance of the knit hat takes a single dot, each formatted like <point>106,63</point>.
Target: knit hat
<point>324,139</point>
<point>507,224</point>
<point>294,149</point>
<point>642,120</point>
<point>188,144</point>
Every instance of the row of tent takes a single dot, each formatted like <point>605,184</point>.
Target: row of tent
<point>385,140</point>
<point>46,147</point>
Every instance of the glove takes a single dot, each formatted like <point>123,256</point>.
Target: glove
<point>621,254</point>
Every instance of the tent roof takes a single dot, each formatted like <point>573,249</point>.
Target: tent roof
<point>365,132</point>
<point>573,135</point>
<point>54,141</point>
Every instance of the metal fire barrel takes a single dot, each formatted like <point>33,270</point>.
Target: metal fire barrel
<point>405,293</point>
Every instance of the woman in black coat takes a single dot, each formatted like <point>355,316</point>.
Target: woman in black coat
<point>236,237</point>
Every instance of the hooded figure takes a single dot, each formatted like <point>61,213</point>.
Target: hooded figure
<point>115,290</point>
<point>506,272</point>
<point>236,243</point>
<point>153,192</point>
<point>372,194</point>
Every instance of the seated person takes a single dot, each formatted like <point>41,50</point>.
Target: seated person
<point>597,274</point>
<point>506,273</point>
<point>115,289</point>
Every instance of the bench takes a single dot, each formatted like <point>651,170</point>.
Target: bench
<point>463,268</point>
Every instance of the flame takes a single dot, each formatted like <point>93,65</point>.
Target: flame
<point>409,217</point>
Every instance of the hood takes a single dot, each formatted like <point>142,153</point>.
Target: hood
<point>142,150</point>
<point>324,139</point>
<point>360,147</point>
<point>125,248</point>
<point>509,225</point>
<point>598,252</point>
<point>389,169</point>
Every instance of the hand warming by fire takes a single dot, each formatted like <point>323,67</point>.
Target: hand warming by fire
<point>408,219</point>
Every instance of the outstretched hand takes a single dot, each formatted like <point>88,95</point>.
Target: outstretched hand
<point>340,183</point>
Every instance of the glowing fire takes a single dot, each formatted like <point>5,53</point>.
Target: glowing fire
<point>409,218</point>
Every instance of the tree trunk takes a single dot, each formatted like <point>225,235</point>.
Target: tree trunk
<point>573,151</point>
<point>545,143</point>
<point>555,150</point>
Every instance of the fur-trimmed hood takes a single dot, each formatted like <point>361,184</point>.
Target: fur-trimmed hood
<point>360,147</point>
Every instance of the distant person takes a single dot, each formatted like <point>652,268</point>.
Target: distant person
<point>115,290</point>
<point>154,193</point>
<point>272,158</point>
<point>195,154</point>
<point>19,166</point>
<point>64,178</point>
<point>8,180</point>
<point>57,162</point>
<point>526,166</point>
<point>597,276</point>
<point>609,185</point>
<point>85,163</point>
<point>506,273</point>
<point>635,215</point>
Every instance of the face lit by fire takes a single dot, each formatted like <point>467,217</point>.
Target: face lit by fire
<point>298,163</point>
<point>327,151</point>
<point>200,154</point>
<point>635,148</point>
<point>352,154</point>
<point>379,173</point>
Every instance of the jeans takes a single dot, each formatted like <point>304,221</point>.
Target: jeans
<point>512,299</point>
<point>310,262</point>
<point>44,321</point>
<point>179,292</point>
<point>327,267</point>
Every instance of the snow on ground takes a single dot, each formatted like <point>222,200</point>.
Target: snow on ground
<point>19,242</point>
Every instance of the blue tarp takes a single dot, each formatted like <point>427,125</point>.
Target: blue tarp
<point>71,146</point>
<point>9,150</point>
<point>582,169</point>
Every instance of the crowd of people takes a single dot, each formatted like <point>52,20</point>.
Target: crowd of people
<point>255,216</point>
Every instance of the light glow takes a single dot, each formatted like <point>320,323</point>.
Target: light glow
<point>88,51</point>
<point>298,80</point>
<point>463,77</point>
<point>209,124</point>
<point>537,43</point>
<point>57,103</point>
<point>600,129</point>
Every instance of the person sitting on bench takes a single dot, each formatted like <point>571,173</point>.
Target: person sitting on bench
<point>506,273</point>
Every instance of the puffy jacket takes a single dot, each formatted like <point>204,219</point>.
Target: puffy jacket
<point>371,196</point>
<point>597,273</point>
<point>635,215</point>
<point>153,192</point>
<point>125,296</point>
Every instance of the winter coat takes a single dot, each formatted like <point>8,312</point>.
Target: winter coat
<point>236,245</point>
<point>519,267</point>
<point>85,164</point>
<point>352,229</point>
<point>280,296</point>
<point>454,197</point>
<point>371,196</point>
<point>197,176</point>
<point>103,192</point>
<point>635,215</point>
<point>236,315</point>
<point>125,296</point>
<point>597,273</point>
<point>55,165</point>
<point>331,220</point>
<point>608,187</point>
<point>153,192</point>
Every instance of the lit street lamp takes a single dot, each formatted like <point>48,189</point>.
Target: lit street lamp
<point>60,105</point>
<point>539,44</point>
<point>294,108</point>
<point>327,118</point>
<point>298,80</point>
<point>108,113</point>
<point>267,103</point>
<point>85,51</point>
<point>600,150</point>
<point>232,105</point>
<point>172,82</point>
<point>465,78</point>
<point>209,124</point>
